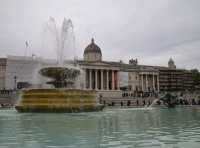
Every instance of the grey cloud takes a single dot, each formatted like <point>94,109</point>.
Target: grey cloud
<point>151,30</point>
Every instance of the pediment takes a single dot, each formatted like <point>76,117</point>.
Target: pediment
<point>96,64</point>
<point>100,63</point>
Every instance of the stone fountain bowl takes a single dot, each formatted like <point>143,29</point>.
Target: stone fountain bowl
<point>60,73</point>
<point>58,101</point>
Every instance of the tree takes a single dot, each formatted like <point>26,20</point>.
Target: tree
<point>196,76</point>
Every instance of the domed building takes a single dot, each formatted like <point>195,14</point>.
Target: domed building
<point>108,77</point>
<point>92,52</point>
<point>98,75</point>
<point>171,64</point>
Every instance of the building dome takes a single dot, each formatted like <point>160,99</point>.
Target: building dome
<point>171,63</point>
<point>171,60</point>
<point>92,52</point>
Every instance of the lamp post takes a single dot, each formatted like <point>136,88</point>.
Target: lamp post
<point>15,82</point>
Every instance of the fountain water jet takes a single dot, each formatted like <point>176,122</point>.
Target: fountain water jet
<point>167,100</point>
<point>63,38</point>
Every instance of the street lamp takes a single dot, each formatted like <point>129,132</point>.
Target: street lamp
<point>15,82</point>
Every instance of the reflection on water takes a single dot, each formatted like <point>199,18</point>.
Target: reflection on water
<point>122,128</point>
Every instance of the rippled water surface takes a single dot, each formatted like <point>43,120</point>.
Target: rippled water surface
<point>113,128</point>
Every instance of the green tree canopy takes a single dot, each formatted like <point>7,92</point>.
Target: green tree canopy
<point>196,76</point>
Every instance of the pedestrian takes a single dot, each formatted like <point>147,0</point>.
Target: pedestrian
<point>144,103</point>
<point>128,103</point>
<point>137,102</point>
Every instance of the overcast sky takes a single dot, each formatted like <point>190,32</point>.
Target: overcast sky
<point>150,30</point>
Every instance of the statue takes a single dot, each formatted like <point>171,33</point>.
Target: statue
<point>169,100</point>
<point>133,62</point>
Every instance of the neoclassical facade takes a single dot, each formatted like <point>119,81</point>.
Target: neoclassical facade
<point>106,75</point>
<point>98,74</point>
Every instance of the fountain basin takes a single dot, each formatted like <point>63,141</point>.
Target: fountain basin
<point>61,76</point>
<point>58,101</point>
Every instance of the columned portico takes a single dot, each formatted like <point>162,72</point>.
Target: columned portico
<point>98,79</point>
<point>150,81</point>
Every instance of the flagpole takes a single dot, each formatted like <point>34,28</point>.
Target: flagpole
<point>26,49</point>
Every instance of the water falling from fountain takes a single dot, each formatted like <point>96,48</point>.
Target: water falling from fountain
<point>63,42</point>
<point>62,38</point>
<point>154,103</point>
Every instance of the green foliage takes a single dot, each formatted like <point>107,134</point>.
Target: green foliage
<point>196,76</point>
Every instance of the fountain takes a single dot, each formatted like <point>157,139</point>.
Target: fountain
<point>64,97</point>
<point>168,100</point>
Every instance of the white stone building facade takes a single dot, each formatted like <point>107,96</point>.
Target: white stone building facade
<point>106,77</point>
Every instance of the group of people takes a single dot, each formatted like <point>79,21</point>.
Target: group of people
<point>6,105</point>
<point>6,98</point>
<point>127,103</point>
<point>6,91</point>
<point>188,102</point>
<point>136,103</point>
<point>146,99</point>
<point>139,94</point>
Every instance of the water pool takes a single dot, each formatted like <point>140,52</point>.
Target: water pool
<point>111,128</point>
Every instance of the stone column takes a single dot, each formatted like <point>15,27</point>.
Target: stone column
<point>113,82</point>
<point>107,79</point>
<point>117,79</point>
<point>96,86</point>
<point>158,83</point>
<point>102,79</point>
<point>90,78</point>
<point>147,82</point>
<point>86,82</point>
<point>153,82</point>
<point>142,83</point>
